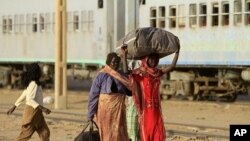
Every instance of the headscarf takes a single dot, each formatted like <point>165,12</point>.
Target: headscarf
<point>144,67</point>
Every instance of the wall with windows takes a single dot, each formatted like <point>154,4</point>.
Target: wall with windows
<point>210,31</point>
<point>197,14</point>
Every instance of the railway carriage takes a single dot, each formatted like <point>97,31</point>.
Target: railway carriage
<point>27,35</point>
<point>214,61</point>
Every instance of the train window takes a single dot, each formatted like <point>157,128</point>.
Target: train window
<point>28,23</point>
<point>91,20</point>
<point>47,22</point>
<point>21,20</point>
<point>53,22</point>
<point>4,25</point>
<point>225,13</point>
<point>34,23</point>
<point>100,3</point>
<point>162,11</point>
<point>153,17</point>
<point>16,24</point>
<point>247,12</point>
<point>76,21</point>
<point>10,24</point>
<point>181,16</point>
<point>237,12</point>
<point>215,14</point>
<point>203,15</point>
<point>42,22</point>
<point>161,19</point>
<point>143,2</point>
<point>70,22</point>
<point>172,17</point>
<point>84,21</point>
<point>192,15</point>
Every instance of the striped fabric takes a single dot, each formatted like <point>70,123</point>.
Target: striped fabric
<point>132,121</point>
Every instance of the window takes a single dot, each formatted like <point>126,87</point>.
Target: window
<point>192,15</point>
<point>153,17</point>
<point>22,25</point>
<point>16,23</point>
<point>28,23</point>
<point>76,21</point>
<point>172,17</point>
<point>247,12</point>
<point>225,13</point>
<point>34,23</point>
<point>53,22</point>
<point>70,22</point>
<point>143,2</point>
<point>91,20</point>
<point>84,21</point>
<point>215,14</point>
<point>100,3</point>
<point>161,17</point>
<point>181,16</point>
<point>48,22</point>
<point>10,24</point>
<point>203,15</point>
<point>237,12</point>
<point>42,22</point>
<point>4,25</point>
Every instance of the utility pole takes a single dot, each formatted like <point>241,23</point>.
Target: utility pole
<point>60,55</point>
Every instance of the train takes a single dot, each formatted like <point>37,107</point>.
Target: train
<point>214,37</point>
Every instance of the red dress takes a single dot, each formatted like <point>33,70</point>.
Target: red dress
<point>145,89</point>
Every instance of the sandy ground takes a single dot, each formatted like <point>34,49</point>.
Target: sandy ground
<point>176,113</point>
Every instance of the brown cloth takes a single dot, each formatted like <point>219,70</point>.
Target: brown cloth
<point>33,120</point>
<point>111,117</point>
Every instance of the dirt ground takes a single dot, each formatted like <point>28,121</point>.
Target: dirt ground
<point>200,118</point>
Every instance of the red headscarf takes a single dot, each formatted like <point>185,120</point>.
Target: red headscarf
<point>154,71</point>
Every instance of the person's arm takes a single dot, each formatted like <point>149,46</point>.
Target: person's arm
<point>94,97</point>
<point>172,65</point>
<point>17,103</point>
<point>124,58</point>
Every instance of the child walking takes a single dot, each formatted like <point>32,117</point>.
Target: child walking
<point>33,119</point>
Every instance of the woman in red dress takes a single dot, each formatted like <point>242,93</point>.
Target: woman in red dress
<point>145,82</point>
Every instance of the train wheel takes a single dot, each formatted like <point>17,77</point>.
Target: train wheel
<point>165,97</point>
<point>232,97</point>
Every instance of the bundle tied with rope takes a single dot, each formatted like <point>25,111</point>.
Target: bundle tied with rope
<point>144,41</point>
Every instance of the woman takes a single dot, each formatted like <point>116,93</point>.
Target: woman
<point>33,119</point>
<point>107,101</point>
<point>145,82</point>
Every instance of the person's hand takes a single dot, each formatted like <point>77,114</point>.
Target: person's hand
<point>90,120</point>
<point>11,110</point>
<point>124,48</point>
<point>45,110</point>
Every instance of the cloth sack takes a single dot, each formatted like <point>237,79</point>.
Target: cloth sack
<point>91,135</point>
<point>144,41</point>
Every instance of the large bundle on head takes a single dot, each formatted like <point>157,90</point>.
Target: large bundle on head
<point>144,41</point>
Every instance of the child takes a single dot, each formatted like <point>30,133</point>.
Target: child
<point>33,119</point>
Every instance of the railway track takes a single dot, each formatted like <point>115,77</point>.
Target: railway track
<point>200,132</point>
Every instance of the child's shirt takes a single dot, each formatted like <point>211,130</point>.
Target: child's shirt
<point>32,94</point>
